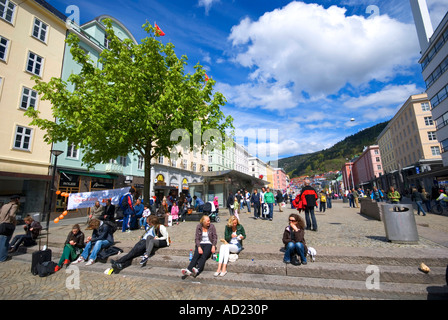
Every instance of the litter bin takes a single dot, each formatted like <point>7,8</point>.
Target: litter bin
<point>399,223</point>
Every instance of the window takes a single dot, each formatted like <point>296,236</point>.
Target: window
<point>7,9</point>
<point>141,163</point>
<point>23,138</point>
<point>161,159</point>
<point>432,135</point>
<point>29,98</point>
<point>4,44</point>
<point>378,159</point>
<point>425,106</point>
<point>72,151</point>
<point>34,64</point>
<point>40,30</point>
<point>106,41</point>
<point>122,160</point>
<point>435,151</point>
<point>428,121</point>
<point>185,164</point>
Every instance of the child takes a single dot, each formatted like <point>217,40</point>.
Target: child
<point>145,214</point>
<point>215,202</point>
<point>235,208</point>
<point>175,212</point>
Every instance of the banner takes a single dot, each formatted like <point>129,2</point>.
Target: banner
<point>88,199</point>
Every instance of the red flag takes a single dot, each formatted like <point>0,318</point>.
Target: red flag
<point>206,77</point>
<point>159,31</point>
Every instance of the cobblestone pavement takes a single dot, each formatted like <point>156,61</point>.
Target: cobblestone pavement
<point>340,228</point>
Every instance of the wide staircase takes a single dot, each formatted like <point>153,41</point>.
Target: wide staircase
<point>338,275</point>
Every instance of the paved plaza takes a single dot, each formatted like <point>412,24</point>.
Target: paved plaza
<point>342,231</point>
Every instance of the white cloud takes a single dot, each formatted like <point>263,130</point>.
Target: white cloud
<point>320,50</point>
<point>390,95</point>
<point>207,4</point>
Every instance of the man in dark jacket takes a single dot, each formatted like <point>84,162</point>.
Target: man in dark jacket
<point>109,211</point>
<point>7,225</point>
<point>102,237</point>
<point>309,197</point>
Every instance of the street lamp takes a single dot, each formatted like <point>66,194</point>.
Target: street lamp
<point>55,153</point>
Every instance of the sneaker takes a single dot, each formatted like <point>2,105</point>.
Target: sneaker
<point>216,274</point>
<point>57,268</point>
<point>90,262</point>
<point>66,262</point>
<point>144,259</point>
<point>186,272</point>
<point>80,259</point>
<point>195,272</point>
<point>223,274</point>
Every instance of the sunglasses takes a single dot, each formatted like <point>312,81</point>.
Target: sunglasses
<point>292,220</point>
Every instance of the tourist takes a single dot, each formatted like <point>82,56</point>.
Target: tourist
<point>72,247</point>
<point>7,225</point>
<point>269,199</point>
<point>102,237</point>
<point>155,237</point>
<point>255,200</point>
<point>294,240</point>
<point>417,197</point>
<point>32,231</point>
<point>234,234</point>
<point>308,197</point>
<point>205,245</point>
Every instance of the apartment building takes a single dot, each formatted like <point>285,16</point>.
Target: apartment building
<point>434,63</point>
<point>32,35</point>
<point>368,165</point>
<point>410,135</point>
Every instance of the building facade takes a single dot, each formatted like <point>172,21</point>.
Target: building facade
<point>434,63</point>
<point>32,35</point>
<point>368,166</point>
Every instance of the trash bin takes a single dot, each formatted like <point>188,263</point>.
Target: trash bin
<point>399,223</point>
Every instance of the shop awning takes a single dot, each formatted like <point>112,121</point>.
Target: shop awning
<point>89,174</point>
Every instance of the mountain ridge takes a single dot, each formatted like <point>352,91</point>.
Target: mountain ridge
<point>333,158</point>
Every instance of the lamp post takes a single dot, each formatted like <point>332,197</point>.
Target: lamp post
<point>55,153</point>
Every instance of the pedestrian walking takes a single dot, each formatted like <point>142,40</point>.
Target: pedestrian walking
<point>309,198</point>
<point>269,199</point>
<point>255,200</point>
<point>418,198</point>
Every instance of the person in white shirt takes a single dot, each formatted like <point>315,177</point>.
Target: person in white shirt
<point>156,236</point>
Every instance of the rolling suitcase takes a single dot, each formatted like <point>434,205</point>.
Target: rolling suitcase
<point>40,256</point>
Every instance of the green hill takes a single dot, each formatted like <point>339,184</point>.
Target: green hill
<point>331,159</point>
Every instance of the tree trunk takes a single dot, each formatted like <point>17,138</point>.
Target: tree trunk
<point>147,180</point>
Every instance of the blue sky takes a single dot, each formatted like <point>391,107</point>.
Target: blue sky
<point>301,69</point>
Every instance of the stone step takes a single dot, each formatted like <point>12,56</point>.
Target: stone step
<point>352,289</point>
<point>329,278</point>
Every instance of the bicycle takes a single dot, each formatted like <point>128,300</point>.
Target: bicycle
<point>439,208</point>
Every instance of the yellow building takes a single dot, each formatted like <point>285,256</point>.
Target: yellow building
<point>410,137</point>
<point>32,35</point>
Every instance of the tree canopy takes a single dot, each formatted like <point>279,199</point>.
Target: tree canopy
<point>130,102</point>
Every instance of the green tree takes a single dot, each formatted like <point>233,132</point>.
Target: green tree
<point>132,103</point>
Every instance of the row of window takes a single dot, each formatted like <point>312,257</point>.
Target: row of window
<point>440,69</point>
<point>439,97</point>
<point>34,62</point>
<point>436,48</point>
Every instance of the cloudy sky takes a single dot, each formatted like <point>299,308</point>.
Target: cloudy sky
<point>293,72</point>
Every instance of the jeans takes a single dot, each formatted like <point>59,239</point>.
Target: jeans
<point>248,205</point>
<point>99,244</point>
<point>200,259</point>
<point>126,222</point>
<point>256,210</point>
<point>25,238</point>
<point>420,208</point>
<point>310,223</point>
<point>292,248</point>
<point>4,247</point>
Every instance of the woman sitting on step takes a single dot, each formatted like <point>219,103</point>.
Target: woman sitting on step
<point>234,234</point>
<point>294,239</point>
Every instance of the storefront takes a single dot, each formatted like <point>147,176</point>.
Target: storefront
<point>75,182</point>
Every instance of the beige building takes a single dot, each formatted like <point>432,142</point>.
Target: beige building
<point>32,35</point>
<point>410,136</point>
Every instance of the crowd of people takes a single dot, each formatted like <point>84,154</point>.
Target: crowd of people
<point>154,221</point>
